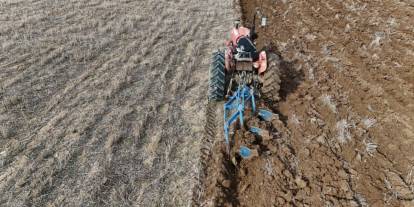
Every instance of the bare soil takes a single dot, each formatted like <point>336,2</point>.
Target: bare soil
<point>345,135</point>
<point>102,102</point>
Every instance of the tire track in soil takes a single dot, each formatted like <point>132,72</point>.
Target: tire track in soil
<point>213,165</point>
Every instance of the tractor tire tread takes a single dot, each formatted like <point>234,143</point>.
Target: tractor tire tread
<point>217,77</point>
<point>271,81</point>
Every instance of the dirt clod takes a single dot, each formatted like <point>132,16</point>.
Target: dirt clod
<point>300,182</point>
<point>226,183</point>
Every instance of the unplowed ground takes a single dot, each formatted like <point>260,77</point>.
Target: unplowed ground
<point>102,102</point>
<point>346,135</point>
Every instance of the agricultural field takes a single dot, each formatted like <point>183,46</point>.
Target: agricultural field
<point>104,103</point>
<point>345,132</point>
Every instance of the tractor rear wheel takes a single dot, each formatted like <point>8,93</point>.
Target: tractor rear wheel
<point>271,81</point>
<point>217,77</point>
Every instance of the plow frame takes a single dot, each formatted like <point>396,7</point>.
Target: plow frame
<point>237,102</point>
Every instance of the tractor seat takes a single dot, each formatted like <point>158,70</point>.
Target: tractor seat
<point>245,45</point>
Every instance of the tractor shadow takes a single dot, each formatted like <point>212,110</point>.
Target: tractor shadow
<point>231,193</point>
<point>291,77</point>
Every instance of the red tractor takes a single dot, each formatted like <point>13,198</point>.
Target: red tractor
<point>240,75</point>
<point>242,62</point>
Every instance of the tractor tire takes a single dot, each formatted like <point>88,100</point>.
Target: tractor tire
<point>271,81</point>
<point>217,80</point>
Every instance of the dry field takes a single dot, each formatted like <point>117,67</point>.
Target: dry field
<point>102,102</point>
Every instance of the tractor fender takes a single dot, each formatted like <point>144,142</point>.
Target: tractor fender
<point>261,64</point>
<point>229,59</point>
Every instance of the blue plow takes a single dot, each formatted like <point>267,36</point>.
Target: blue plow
<point>234,110</point>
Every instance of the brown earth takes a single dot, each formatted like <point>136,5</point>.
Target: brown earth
<point>347,110</point>
<point>102,102</point>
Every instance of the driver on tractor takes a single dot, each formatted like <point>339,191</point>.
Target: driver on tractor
<point>241,46</point>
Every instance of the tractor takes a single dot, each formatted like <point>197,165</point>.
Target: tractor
<point>241,75</point>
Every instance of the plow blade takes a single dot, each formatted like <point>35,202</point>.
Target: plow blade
<point>265,134</point>
<point>266,115</point>
<point>247,153</point>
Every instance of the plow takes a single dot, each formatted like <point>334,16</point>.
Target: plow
<point>248,82</point>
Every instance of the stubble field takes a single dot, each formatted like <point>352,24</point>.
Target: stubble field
<point>102,102</point>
